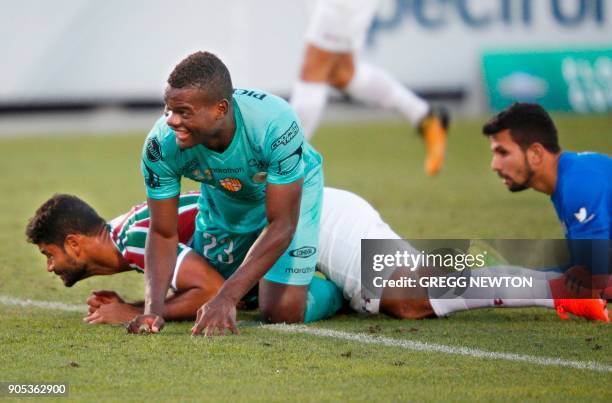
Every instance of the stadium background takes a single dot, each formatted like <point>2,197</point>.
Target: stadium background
<point>82,84</point>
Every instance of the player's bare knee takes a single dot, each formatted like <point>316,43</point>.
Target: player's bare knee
<point>342,74</point>
<point>281,314</point>
<point>318,65</point>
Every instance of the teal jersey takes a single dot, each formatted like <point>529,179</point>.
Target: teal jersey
<point>268,147</point>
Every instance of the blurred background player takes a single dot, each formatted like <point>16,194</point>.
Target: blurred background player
<point>336,33</point>
<point>526,154</point>
<point>79,244</point>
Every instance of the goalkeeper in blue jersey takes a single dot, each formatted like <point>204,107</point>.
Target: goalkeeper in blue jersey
<point>526,154</point>
<point>259,211</point>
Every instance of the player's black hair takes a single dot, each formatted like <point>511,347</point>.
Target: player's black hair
<point>60,216</point>
<point>205,71</point>
<point>528,124</point>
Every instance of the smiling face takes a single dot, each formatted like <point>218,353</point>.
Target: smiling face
<point>194,119</point>
<point>510,162</point>
<point>63,264</point>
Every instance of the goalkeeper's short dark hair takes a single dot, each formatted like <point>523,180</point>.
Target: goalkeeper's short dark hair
<point>61,216</point>
<point>528,123</point>
<point>204,71</point>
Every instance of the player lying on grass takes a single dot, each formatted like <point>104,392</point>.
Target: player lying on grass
<point>79,244</point>
<point>526,154</point>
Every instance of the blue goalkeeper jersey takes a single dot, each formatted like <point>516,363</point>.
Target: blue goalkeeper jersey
<point>583,195</point>
<point>268,147</point>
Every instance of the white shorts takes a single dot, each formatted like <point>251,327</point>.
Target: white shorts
<point>346,219</point>
<point>340,25</point>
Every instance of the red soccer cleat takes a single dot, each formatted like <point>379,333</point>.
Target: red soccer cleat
<point>592,309</point>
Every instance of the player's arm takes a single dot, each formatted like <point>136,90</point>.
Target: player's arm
<point>282,213</point>
<point>160,253</point>
<point>196,283</point>
<point>162,180</point>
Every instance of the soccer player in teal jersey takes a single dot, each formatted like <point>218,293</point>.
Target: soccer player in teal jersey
<point>259,212</point>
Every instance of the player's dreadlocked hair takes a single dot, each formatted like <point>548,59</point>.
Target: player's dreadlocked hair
<point>205,71</point>
<point>60,216</point>
<point>528,124</point>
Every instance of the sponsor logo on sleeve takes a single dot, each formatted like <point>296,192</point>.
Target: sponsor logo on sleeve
<point>151,178</point>
<point>304,251</point>
<point>290,162</point>
<point>287,136</point>
<point>153,150</point>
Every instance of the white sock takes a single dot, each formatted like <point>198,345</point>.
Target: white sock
<point>373,85</point>
<point>508,297</point>
<point>308,100</point>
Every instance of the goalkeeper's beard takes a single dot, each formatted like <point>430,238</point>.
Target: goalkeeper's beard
<point>520,186</point>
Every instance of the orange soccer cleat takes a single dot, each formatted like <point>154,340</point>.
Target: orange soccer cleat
<point>593,309</point>
<point>433,128</point>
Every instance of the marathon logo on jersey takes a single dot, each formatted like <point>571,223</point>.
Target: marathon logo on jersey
<point>227,170</point>
<point>290,162</point>
<point>231,184</point>
<point>293,130</point>
<point>153,150</point>
<point>151,178</point>
<point>250,93</point>
<point>303,252</point>
<point>300,270</point>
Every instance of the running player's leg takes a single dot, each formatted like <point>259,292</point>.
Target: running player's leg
<point>310,92</point>
<point>335,29</point>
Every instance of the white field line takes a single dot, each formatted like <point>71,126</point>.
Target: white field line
<point>58,306</point>
<point>439,348</point>
<point>362,339</point>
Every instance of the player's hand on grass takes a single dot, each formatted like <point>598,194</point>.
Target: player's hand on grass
<point>219,313</point>
<point>98,298</point>
<point>146,323</point>
<point>113,313</point>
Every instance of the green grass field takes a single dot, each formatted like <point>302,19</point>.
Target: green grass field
<point>383,163</point>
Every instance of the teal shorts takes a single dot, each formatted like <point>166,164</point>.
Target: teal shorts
<point>296,266</point>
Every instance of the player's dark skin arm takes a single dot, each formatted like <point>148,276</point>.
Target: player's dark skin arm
<point>160,257</point>
<point>282,213</point>
<point>196,284</point>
